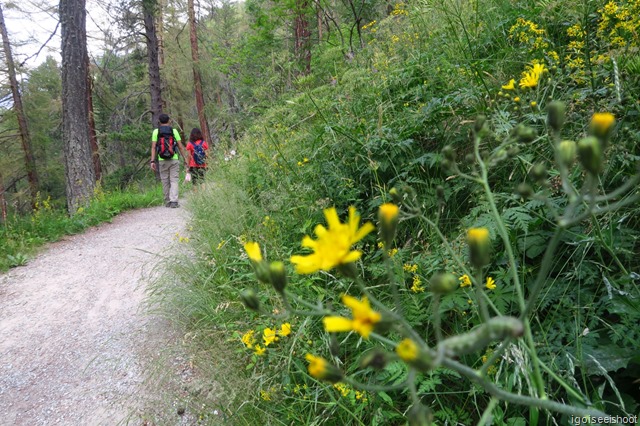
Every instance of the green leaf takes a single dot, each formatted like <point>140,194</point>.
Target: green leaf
<point>608,357</point>
<point>385,397</point>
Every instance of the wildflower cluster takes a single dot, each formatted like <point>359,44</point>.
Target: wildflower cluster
<point>399,9</point>
<point>269,336</point>
<point>530,79</point>
<point>620,24</point>
<point>528,34</point>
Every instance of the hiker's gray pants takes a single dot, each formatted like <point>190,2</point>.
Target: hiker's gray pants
<point>169,173</point>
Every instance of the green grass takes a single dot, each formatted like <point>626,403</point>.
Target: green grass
<point>22,236</point>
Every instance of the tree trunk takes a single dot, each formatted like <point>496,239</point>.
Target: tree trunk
<point>155,84</point>
<point>319,20</point>
<point>197,80</point>
<point>3,201</point>
<point>23,128</point>
<point>93,138</point>
<point>302,47</point>
<point>79,171</point>
<point>161,60</point>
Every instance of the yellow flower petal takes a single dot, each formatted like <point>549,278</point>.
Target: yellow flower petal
<point>253,251</point>
<point>337,324</point>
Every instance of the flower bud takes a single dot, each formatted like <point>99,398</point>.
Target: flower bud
<point>525,134</point>
<point>321,369</point>
<point>556,115</point>
<point>590,154</point>
<point>449,153</point>
<point>388,222</point>
<point>395,195</point>
<point>524,190</point>
<point>408,351</point>
<point>513,151</point>
<point>278,276</point>
<point>479,124</point>
<point>349,270</point>
<point>538,172</point>
<point>443,283</point>
<point>384,325</point>
<point>479,246</point>
<point>250,299</point>
<point>567,152</point>
<point>376,359</point>
<point>420,415</point>
<point>601,126</point>
<point>469,158</point>
<point>262,272</point>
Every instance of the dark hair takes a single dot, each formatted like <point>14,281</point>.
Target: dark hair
<point>163,118</point>
<point>196,135</point>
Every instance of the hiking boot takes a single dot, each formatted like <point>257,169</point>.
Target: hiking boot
<point>174,205</point>
<point>167,204</point>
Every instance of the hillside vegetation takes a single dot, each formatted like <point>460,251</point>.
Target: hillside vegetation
<point>507,134</point>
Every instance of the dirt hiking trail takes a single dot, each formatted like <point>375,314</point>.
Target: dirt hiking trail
<point>75,341</point>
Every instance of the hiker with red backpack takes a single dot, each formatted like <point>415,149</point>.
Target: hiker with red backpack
<point>165,145</point>
<point>197,148</point>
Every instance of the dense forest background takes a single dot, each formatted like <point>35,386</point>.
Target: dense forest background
<point>519,118</point>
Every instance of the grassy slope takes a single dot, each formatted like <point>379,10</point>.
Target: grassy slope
<point>356,129</point>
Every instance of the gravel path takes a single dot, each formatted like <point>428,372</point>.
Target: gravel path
<point>75,343</point>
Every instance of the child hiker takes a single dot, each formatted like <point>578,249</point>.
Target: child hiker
<point>197,148</point>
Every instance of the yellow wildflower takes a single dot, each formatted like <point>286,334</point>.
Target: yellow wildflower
<point>511,85</point>
<point>364,318</point>
<point>320,368</point>
<point>253,251</point>
<point>285,329</point>
<point>479,246</point>
<point>259,350</point>
<point>417,285</point>
<point>269,336</point>
<point>343,389</point>
<point>478,235</point>
<point>465,281</point>
<point>601,123</point>
<point>333,246</point>
<point>249,339</point>
<point>265,395</point>
<point>407,350</point>
<point>531,77</point>
<point>389,211</point>
<point>491,284</point>
<point>407,267</point>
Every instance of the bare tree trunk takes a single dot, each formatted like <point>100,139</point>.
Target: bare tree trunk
<point>23,128</point>
<point>93,138</point>
<point>161,61</point>
<point>3,201</point>
<point>155,84</point>
<point>79,171</point>
<point>197,80</point>
<point>302,47</point>
<point>319,20</point>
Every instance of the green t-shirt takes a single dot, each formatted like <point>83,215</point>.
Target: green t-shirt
<point>176,135</point>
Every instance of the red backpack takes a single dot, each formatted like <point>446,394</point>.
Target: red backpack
<point>166,146</point>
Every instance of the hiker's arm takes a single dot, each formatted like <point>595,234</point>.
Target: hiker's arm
<point>153,155</point>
